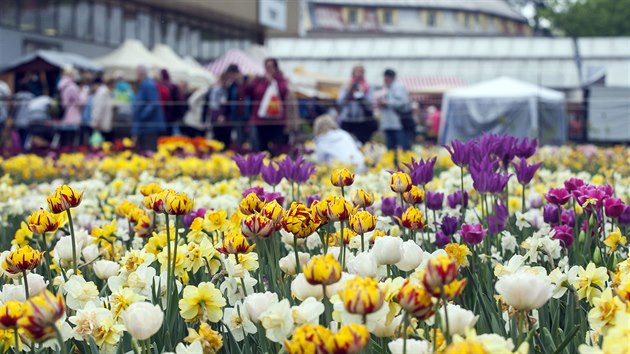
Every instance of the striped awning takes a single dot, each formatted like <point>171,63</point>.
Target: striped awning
<point>431,84</point>
<point>246,64</point>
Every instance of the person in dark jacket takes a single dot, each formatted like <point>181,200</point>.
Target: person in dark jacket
<point>148,117</point>
<point>169,95</point>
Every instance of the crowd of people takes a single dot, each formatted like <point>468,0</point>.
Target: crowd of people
<point>238,110</point>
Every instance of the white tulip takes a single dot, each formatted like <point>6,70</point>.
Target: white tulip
<point>13,292</point>
<point>384,329</point>
<point>412,256</point>
<point>413,346</point>
<point>524,291</point>
<point>334,289</point>
<point>63,248</point>
<point>90,253</point>
<point>105,269</point>
<point>364,264</point>
<point>257,303</point>
<point>287,263</point>
<point>143,319</point>
<point>459,319</point>
<point>287,238</point>
<point>388,250</point>
<point>302,290</point>
<point>313,242</point>
<point>36,284</point>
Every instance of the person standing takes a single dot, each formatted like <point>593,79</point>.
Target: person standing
<point>236,108</point>
<point>268,102</point>
<point>20,111</point>
<point>393,105</point>
<point>72,106</point>
<point>217,99</point>
<point>148,117</point>
<point>123,99</point>
<point>103,109</point>
<point>169,94</point>
<point>355,101</point>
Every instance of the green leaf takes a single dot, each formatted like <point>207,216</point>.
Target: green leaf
<point>567,340</point>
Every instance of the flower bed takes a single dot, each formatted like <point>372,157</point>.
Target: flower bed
<point>493,246</point>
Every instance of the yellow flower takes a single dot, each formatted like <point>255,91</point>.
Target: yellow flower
<point>211,340</point>
<point>350,339</point>
<point>310,338</point>
<point>459,253</point>
<point>121,299</point>
<point>124,209</point>
<point>362,198</point>
<point>300,220</point>
<point>614,239</point>
<point>143,226</point>
<point>215,220</point>
<point>274,211</point>
<point>63,199</point>
<point>22,236</point>
<point>362,296</point>
<point>10,312</point>
<point>604,309</point>
<point>414,196</point>
<point>412,219</point>
<point>414,299</point>
<point>362,222</point>
<point>22,259</point>
<point>590,281</point>
<point>338,209</point>
<point>234,243</point>
<point>151,188</point>
<point>249,261</point>
<point>400,182</point>
<point>375,234</point>
<point>623,288</point>
<point>107,330</point>
<point>251,204</point>
<point>177,204</point>
<point>467,346</point>
<point>105,233</point>
<point>42,221</point>
<point>618,336</point>
<point>324,270</point>
<point>341,177</point>
<point>156,201</point>
<point>440,271</point>
<point>202,302</point>
<point>41,312</point>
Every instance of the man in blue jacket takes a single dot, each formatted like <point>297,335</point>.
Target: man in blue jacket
<point>148,117</point>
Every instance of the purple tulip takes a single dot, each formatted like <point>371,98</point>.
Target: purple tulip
<point>613,207</point>
<point>312,198</point>
<point>558,196</point>
<point>434,200</point>
<point>497,221</point>
<point>607,189</point>
<point>455,199</point>
<point>269,196</point>
<point>564,233</point>
<point>388,206</point>
<point>421,171</point>
<point>249,165</point>
<point>460,152</point>
<point>259,191</point>
<point>190,217</point>
<point>624,218</point>
<point>591,198</point>
<point>296,171</point>
<point>472,234</point>
<point>524,172</point>
<point>535,201</point>
<point>568,217</point>
<point>449,225</point>
<point>527,148</point>
<point>550,214</point>
<point>441,239</point>
<point>271,173</point>
<point>573,184</point>
<point>506,149</point>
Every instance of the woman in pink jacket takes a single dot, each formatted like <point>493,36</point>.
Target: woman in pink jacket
<point>70,98</point>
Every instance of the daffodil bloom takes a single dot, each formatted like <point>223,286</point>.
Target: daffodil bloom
<point>590,281</point>
<point>204,301</point>
<point>362,296</point>
<point>42,221</point>
<point>440,271</point>
<point>120,300</point>
<point>362,198</point>
<point>466,347</point>
<point>22,259</point>
<point>63,199</point>
<point>251,204</point>
<point>400,182</point>
<point>412,219</point>
<point>459,253</point>
<point>211,341</point>
<point>324,270</point>
<point>10,312</point>
<point>235,243</point>
<point>616,339</point>
<point>22,236</point>
<point>414,299</point>
<point>341,177</point>
<point>604,310</point>
<point>41,312</point>
<point>215,220</point>
<point>362,222</point>
<point>300,220</point>
<point>614,239</point>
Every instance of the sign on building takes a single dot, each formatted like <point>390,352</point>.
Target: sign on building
<point>273,14</point>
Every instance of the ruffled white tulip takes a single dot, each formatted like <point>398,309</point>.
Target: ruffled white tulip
<point>524,291</point>
<point>388,250</point>
<point>287,263</point>
<point>105,269</point>
<point>364,264</point>
<point>142,319</point>
<point>412,256</point>
<point>413,346</point>
<point>459,319</point>
<point>257,303</point>
<point>302,290</point>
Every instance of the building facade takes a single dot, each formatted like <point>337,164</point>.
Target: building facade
<point>329,18</point>
<point>202,29</point>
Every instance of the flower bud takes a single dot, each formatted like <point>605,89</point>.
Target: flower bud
<point>274,211</point>
<point>388,250</point>
<point>400,182</point>
<point>300,220</point>
<point>364,264</point>
<point>362,222</point>
<point>412,256</point>
<point>412,219</point>
<point>151,188</point>
<point>63,199</point>
<point>234,243</point>
<point>42,221</point>
<point>341,177</point>
<point>251,204</point>
<point>362,296</point>
<point>323,269</point>
<point>440,271</point>
<point>142,319</point>
<point>350,339</point>
<point>256,225</point>
<point>22,259</point>
<point>338,209</point>
<point>414,299</point>
<point>177,204</point>
<point>10,313</point>
<point>414,196</point>
<point>362,199</point>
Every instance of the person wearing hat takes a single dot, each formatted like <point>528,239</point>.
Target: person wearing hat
<point>335,145</point>
<point>394,107</point>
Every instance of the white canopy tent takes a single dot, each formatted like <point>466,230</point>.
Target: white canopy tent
<point>182,70</point>
<point>504,106</point>
<point>200,77</point>
<point>128,57</point>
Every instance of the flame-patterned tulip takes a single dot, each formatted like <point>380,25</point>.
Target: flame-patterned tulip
<point>440,272</point>
<point>41,312</point>
<point>414,196</point>
<point>414,299</point>
<point>362,199</point>
<point>10,312</point>
<point>341,177</point>
<point>251,204</point>
<point>300,220</point>
<point>22,259</point>
<point>338,209</point>
<point>412,219</point>
<point>177,204</point>
<point>322,270</point>
<point>234,243</point>
<point>274,211</point>
<point>362,296</point>
<point>63,199</point>
<point>42,221</point>
<point>352,338</point>
<point>256,225</point>
<point>400,182</point>
<point>151,188</point>
<point>362,222</point>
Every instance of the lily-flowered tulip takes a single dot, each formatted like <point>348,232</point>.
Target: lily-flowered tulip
<point>322,270</point>
<point>434,200</point>
<point>63,199</point>
<point>341,177</point>
<point>271,174</point>
<point>42,221</point>
<point>414,299</point>
<point>256,225</point>
<point>21,260</point>
<point>400,182</point>
<point>41,312</point>
<point>249,165</point>
<point>362,296</point>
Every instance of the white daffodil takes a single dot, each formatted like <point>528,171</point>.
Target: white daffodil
<point>79,292</point>
<point>237,320</point>
<point>277,321</point>
<point>307,312</point>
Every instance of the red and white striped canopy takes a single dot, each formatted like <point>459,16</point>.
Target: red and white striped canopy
<point>246,64</point>
<point>431,84</point>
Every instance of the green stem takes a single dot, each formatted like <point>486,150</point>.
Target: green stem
<point>523,200</point>
<point>175,250</point>
<point>26,284</point>
<point>74,244</point>
<point>16,338</point>
<point>297,256</point>
<point>461,180</point>
<point>405,325</point>
<point>242,279</point>
<point>362,242</point>
<point>447,333</point>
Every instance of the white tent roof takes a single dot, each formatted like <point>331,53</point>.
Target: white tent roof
<point>505,87</point>
<point>199,76</point>
<point>181,69</point>
<point>128,57</point>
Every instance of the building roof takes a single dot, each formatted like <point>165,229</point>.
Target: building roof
<point>496,7</point>
<point>57,59</point>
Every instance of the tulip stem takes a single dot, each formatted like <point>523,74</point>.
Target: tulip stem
<point>461,180</point>
<point>447,333</point>
<point>523,200</point>
<point>175,250</point>
<point>25,284</point>
<point>74,244</point>
<point>62,345</point>
<point>297,256</point>
<point>16,337</point>
<point>362,242</point>
<point>242,280</point>
<point>405,325</point>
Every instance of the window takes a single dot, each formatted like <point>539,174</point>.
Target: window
<point>432,19</point>
<point>182,48</point>
<point>195,42</point>
<point>170,38</point>
<point>467,20</point>
<point>100,23</point>
<point>115,25</point>
<point>144,29</point>
<point>83,20</point>
<point>353,16</point>
<point>66,8</point>
<point>47,15</point>
<point>388,17</point>
<point>8,12</point>
<point>130,26</point>
<point>28,15</point>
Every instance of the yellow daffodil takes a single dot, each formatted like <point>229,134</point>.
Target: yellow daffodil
<point>459,253</point>
<point>211,340</point>
<point>614,239</point>
<point>202,302</point>
<point>590,281</point>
